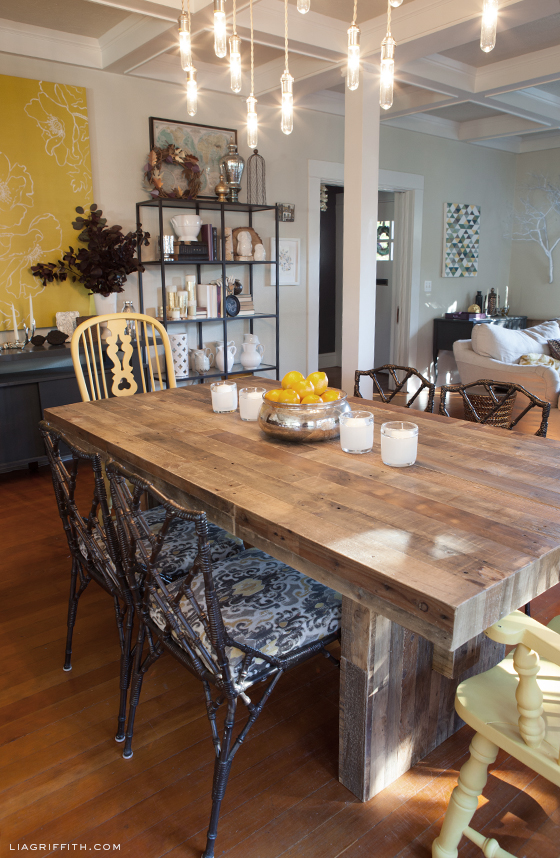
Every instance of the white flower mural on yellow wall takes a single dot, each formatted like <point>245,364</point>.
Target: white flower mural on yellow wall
<point>45,173</point>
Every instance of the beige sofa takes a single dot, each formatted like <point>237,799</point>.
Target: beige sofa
<point>494,352</point>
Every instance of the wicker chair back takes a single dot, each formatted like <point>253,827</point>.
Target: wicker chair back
<point>392,369</point>
<point>491,403</point>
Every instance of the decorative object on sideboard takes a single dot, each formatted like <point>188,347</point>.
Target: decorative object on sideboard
<point>66,321</point>
<point>206,142</point>
<point>250,246</point>
<point>479,300</point>
<point>221,189</point>
<point>172,174</point>
<point>232,166</point>
<point>103,264</point>
<point>256,179</point>
<point>53,338</point>
<point>289,260</point>
<point>492,302</point>
<point>461,243</point>
<point>286,212</point>
<point>474,308</point>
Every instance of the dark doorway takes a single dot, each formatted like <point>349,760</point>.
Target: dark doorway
<point>330,277</point>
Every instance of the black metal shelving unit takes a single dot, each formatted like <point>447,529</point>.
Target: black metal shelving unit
<point>199,206</point>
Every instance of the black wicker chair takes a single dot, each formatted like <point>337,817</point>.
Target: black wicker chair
<point>233,624</point>
<point>490,402</point>
<point>94,548</point>
<point>392,369</point>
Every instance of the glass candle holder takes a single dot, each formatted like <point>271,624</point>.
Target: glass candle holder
<point>224,396</point>
<point>399,444</point>
<point>250,401</point>
<point>356,431</point>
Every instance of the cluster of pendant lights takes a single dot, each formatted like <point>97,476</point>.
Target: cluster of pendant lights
<point>387,70</point>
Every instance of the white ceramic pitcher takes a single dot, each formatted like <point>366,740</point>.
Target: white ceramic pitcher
<point>251,355</point>
<point>231,351</point>
<point>202,359</point>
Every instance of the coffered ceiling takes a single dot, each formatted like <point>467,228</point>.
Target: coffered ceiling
<point>446,86</point>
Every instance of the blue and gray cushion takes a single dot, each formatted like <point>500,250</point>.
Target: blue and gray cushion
<point>180,546</point>
<point>266,605</point>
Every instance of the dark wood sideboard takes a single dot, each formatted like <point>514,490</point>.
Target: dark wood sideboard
<point>31,380</point>
<point>447,331</point>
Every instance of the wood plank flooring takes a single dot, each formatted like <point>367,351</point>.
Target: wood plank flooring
<point>63,780</point>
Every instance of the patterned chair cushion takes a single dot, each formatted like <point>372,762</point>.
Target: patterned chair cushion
<point>180,546</point>
<point>265,604</point>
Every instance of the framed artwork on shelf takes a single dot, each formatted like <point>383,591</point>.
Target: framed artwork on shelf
<point>289,261</point>
<point>208,142</point>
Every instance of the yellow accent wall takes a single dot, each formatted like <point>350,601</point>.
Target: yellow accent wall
<point>45,172</point>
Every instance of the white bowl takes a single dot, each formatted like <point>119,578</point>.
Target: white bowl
<point>186,227</point>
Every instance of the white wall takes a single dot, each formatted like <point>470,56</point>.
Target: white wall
<point>119,108</point>
<point>463,173</point>
<point>530,292</point>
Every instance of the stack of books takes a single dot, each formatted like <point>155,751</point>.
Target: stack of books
<point>247,306</point>
<point>209,301</point>
<point>190,251</point>
<point>209,236</point>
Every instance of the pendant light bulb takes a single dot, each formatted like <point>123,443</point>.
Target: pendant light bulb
<point>287,83</point>
<point>395,3</point>
<point>488,27</point>
<point>192,92</point>
<point>304,6</point>
<point>252,123</point>
<point>220,40</point>
<point>235,62</point>
<point>353,67</point>
<point>387,72</point>
<point>185,42</point>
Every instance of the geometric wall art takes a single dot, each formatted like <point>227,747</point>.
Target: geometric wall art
<point>45,172</point>
<point>461,232</point>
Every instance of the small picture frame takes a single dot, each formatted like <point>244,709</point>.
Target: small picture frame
<point>289,261</point>
<point>286,212</point>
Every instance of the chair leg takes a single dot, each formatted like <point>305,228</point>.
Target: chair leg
<point>136,688</point>
<point>72,611</point>
<point>528,609</point>
<point>222,768</point>
<point>464,798</point>
<point>126,665</point>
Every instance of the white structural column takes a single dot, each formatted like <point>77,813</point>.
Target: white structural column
<point>361,178</point>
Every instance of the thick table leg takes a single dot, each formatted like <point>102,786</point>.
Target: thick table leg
<point>394,709</point>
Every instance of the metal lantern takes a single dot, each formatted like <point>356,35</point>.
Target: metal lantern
<point>232,165</point>
<point>256,179</point>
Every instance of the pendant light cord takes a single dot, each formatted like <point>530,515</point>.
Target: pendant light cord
<point>234,19</point>
<point>188,13</point>
<point>252,51</point>
<point>355,13</point>
<point>286,35</point>
<point>388,19</point>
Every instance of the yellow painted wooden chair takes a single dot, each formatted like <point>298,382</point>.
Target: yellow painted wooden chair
<point>510,709</point>
<point>133,345</point>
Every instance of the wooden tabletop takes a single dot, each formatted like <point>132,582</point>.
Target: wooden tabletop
<point>444,548</point>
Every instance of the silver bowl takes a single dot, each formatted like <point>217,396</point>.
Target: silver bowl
<point>289,422</point>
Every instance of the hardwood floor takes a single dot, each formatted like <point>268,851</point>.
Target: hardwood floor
<point>63,780</point>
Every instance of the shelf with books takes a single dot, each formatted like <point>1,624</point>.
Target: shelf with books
<point>248,312</point>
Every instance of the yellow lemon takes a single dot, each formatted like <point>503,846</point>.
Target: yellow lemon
<point>290,377</point>
<point>319,381</point>
<point>330,395</point>
<point>302,388</point>
<point>311,399</point>
<point>273,395</point>
<point>289,395</point>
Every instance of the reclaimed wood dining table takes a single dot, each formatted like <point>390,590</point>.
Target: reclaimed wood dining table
<point>425,557</point>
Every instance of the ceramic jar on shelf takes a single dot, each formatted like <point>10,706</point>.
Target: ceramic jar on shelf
<point>251,355</point>
<point>231,351</point>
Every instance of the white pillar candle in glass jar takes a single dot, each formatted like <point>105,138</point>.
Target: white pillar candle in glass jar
<point>356,431</point>
<point>250,401</point>
<point>224,396</point>
<point>399,444</point>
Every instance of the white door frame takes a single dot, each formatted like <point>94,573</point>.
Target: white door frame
<point>332,173</point>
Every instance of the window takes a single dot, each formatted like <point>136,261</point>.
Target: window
<point>385,240</point>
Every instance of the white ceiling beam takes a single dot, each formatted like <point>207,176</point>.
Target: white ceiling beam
<point>494,127</point>
<point>526,70</point>
<point>132,34</point>
<point>42,43</point>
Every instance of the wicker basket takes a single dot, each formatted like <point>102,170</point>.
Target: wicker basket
<point>483,405</point>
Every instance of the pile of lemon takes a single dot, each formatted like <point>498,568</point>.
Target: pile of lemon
<point>298,390</point>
